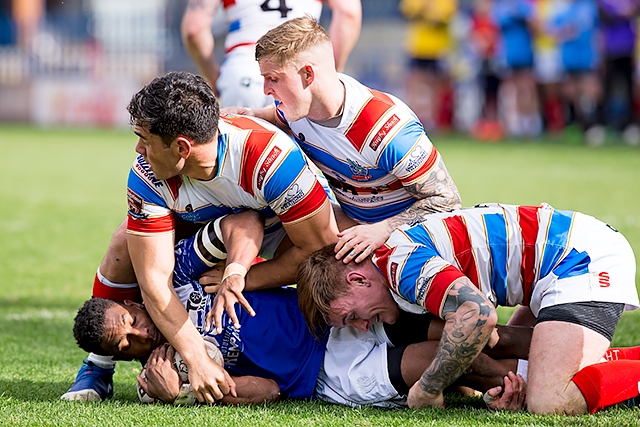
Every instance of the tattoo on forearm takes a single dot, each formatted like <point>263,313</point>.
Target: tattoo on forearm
<point>465,312</point>
<point>437,193</point>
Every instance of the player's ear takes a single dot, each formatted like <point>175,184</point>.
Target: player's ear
<point>308,74</point>
<point>130,303</point>
<point>356,278</point>
<point>183,145</point>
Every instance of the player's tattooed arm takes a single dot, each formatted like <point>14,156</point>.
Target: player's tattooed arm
<point>435,193</point>
<point>469,319</point>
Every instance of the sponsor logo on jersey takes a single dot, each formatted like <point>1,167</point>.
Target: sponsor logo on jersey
<point>232,345</point>
<point>603,279</point>
<point>393,270</point>
<point>135,205</point>
<point>421,286</point>
<point>360,173</point>
<point>383,132</point>
<point>417,158</point>
<point>294,195</point>
<point>266,165</point>
<point>144,169</point>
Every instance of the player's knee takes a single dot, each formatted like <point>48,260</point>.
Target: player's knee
<point>550,403</point>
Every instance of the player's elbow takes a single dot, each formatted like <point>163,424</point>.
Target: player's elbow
<point>192,28</point>
<point>349,11</point>
<point>491,322</point>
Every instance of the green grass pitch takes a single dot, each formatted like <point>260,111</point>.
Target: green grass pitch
<point>62,194</point>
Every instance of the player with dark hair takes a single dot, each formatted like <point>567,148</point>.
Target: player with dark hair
<point>196,166</point>
<point>575,274</point>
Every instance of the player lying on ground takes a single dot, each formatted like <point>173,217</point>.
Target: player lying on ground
<point>286,352</point>
<point>575,273</point>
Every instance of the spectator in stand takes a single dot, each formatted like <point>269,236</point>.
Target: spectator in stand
<point>484,35</point>
<point>427,42</point>
<point>574,25</point>
<point>513,17</point>
<point>618,30</point>
<point>548,67</point>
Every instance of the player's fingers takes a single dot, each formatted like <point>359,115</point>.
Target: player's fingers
<point>366,252</point>
<point>209,280</point>
<point>231,385</point>
<point>218,393</point>
<point>490,397</point>
<point>218,309</point>
<point>341,242</point>
<point>143,384</point>
<point>171,352</point>
<point>522,397</point>
<point>211,289</point>
<point>243,301</point>
<point>206,397</point>
<point>231,312</point>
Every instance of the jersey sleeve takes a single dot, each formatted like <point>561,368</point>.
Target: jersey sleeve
<point>418,275</point>
<point>148,212</point>
<point>394,131</point>
<point>275,168</point>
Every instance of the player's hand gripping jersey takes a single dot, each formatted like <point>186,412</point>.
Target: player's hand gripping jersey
<point>258,168</point>
<point>531,255</point>
<point>378,147</point>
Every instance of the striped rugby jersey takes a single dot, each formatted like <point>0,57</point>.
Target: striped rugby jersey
<point>378,148</point>
<point>249,20</point>
<point>259,167</point>
<point>503,249</point>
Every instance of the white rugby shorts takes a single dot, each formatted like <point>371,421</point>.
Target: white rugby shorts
<point>354,371</point>
<point>611,271</point>
<point>240,83</point>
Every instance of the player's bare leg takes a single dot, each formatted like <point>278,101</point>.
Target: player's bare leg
<point>558,351</point>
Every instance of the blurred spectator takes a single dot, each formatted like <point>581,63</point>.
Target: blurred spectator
<point>27,15</point>
<point>484,34</point>
<point>618,30</point>
<point>513,17</point>
<point>548,66</point>
<point>574,25</point>
<point>238,81</point>
<point>427,42</point>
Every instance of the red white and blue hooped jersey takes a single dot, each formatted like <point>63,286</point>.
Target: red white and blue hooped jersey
<point>378,148</point>
<point>259,167</point>
<point>248,20</point>
<point>504,250</point>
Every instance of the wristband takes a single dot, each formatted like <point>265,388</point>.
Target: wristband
<point>234,268</point>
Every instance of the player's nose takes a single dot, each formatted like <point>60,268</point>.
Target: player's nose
<point>361,324</point>
<point>266,88</point>
<point>139,148</point>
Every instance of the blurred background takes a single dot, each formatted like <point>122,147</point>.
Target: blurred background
<point>494,69</point>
